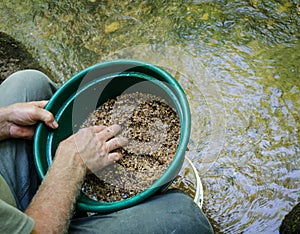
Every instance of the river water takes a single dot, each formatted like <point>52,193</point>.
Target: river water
<point>239,64</point>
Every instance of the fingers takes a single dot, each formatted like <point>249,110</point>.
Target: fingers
<point>95,146</point>
<point>31,112</point>
<point>47,118</point>
<point>25,132</point>
<point>98,128</point>
<point>113,157</point>
<point>44,115</point>
<point>109,132</point>
<point>40,104</point>
<point>116,143</point>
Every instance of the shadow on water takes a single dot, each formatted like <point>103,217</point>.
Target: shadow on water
<point>239,64</point>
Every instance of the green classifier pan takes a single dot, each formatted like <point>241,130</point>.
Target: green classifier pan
<point>89,89</point>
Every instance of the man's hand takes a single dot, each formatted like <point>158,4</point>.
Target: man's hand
<point>19,120</point>
<point>90,148</point>
<point>93,145</point>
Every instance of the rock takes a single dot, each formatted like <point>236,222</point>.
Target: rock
<point>15,57</point>
<point>112,27</point>
<point>291,222</point>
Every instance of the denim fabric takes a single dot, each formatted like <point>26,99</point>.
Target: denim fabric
<point>16,157</point>
<point>171,212</point>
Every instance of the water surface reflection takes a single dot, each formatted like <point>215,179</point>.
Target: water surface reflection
<point>238,62</point>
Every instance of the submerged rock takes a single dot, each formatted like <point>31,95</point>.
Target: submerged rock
<point>14,57</point>
<point>291,222</point>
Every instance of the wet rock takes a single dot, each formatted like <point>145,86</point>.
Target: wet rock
<point>291,222</point>
<point>112,27</point>
<point>15,57</point>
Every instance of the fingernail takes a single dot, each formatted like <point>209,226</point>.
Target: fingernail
<point>54,124</point>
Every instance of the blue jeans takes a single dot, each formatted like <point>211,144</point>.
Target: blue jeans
<point>16,158</point>
<point>171,212</point>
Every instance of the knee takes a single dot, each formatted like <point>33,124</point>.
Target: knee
<point>193,214</point>
<point>179,210</point>
<point>26,85</point>
<point>38,85</point>
<point>27,79</point>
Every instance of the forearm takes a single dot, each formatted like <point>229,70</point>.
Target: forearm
<point>89,148</point>
<point>52,206</point>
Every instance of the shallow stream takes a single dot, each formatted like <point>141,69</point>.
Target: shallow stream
<point>239,64</point>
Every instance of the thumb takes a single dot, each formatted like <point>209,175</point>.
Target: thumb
<point>40,104</point>
<point>47,118</point>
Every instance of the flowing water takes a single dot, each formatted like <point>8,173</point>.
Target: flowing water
<point>239,64</point>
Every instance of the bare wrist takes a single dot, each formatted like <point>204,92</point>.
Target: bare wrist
<point>70,160</point>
